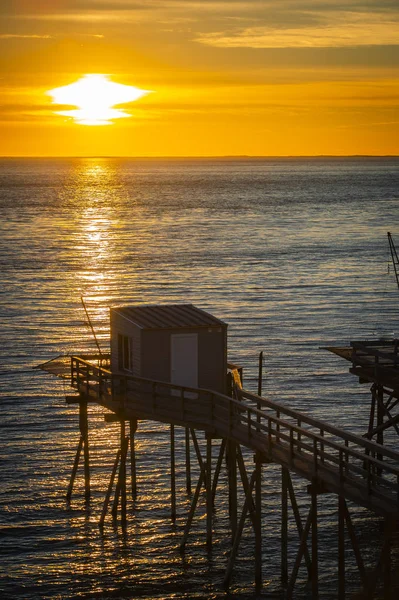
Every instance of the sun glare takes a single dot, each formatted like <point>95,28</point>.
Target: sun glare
<point>95,96</point>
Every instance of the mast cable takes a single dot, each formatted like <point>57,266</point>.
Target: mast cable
<point>92,328</point>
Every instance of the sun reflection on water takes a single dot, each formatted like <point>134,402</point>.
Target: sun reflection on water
<point>93,191</point>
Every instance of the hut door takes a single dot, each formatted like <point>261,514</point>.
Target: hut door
<point>184,359</point>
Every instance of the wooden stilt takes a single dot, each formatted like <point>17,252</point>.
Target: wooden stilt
<point>238,534</point>
<point>380,420</point>
<point>299,556</point>
<point>341,548</point>
<point>372,413</point>
<point>260,381</point>
<point>372,579</point>
<point>172,473</point>
<point>299,523</point>
<point>188,462</point>
<point>121,482</point>
<point>84,431</point>
<point>110,486</point>
<point>117,494</point>
<point>232,473</point>
<point>132,431</point>
<point>258,522</point>
<point>192,509</point>
<point>390,422</point>
<point>260,373</point>
<point>209,503</point>
<point>122,472</point>
<point>284,525</point>
<point>245,484</point>
<point>370,431</point>
<point>197,449</point>
<point>74,470</point>
<point>315,551</point>
<point>352,536</point>
<point>380,413</point>
<point>217,469</point>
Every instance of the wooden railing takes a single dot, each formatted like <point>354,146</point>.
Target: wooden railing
<point>337,460</point>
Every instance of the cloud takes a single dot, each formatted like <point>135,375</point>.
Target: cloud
<point>263,13</point>
<point>11,36</point>
<point>335,30</point>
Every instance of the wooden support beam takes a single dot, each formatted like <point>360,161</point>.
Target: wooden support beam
<point>232,475</point>
<point>372,412</point>
<point>197,449</point>
<point>390,405</point>
<point>192,509</point>
<point>74,470</point>
<point>391,422</point>
<point>122,473</point>
<point>260,373</point>
<point>209,503</point>
<point>121,482</point>
<point>115,503</point>
<point>258,522</point>
<point>109,490</point>
<point>132,431</point>
<point>84,432</point>
<point>298,560</point>
<point>172,474</point>
<point>315,545</point>
<point>341,548</point>
<point>355,546</point>
<point>188,461</point>
<point>284,525</point>
<point>218,469</point>
<point>260,382</point>
<point>238,534</point>
<point>383,567</point>
<point>298,522</point>
<point>380,420</point>
<point>369,433</point>
<point>245,484</point>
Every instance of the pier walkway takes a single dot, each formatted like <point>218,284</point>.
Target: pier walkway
<point>339,461</point>
<point>330,459</point>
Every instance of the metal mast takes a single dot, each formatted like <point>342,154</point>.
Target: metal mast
<point>395,259</point>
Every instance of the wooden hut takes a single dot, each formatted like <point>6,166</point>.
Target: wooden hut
<point>179,344</point>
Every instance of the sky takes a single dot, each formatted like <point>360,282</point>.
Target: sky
<point>221,77</point>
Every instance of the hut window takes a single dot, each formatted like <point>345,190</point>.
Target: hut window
<point>124,352</point>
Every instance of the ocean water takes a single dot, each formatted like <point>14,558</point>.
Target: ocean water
<point>291,253</point>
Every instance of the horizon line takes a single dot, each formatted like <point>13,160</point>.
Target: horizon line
<point>202,157</point>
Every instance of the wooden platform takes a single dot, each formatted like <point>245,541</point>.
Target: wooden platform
<point>376,362</point>
<point>337,461</point>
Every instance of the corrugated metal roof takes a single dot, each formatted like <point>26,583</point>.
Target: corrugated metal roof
<point>170,316</point>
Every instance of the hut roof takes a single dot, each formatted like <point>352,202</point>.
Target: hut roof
<point>170,316</point>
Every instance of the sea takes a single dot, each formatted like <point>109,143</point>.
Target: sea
<point>291,253</point>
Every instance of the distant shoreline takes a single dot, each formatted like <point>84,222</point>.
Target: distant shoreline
<point>213,158</point>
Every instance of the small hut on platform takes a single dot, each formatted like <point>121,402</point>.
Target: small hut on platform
<point>178,344</point>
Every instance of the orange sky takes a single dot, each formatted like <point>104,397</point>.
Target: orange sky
<point>228,77</point>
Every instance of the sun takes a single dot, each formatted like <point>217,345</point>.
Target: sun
<point>95,96</point>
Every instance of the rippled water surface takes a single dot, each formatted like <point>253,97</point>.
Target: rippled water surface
<point>292,254</point>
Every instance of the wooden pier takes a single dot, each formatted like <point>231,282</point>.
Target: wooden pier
<point>333,461</point>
